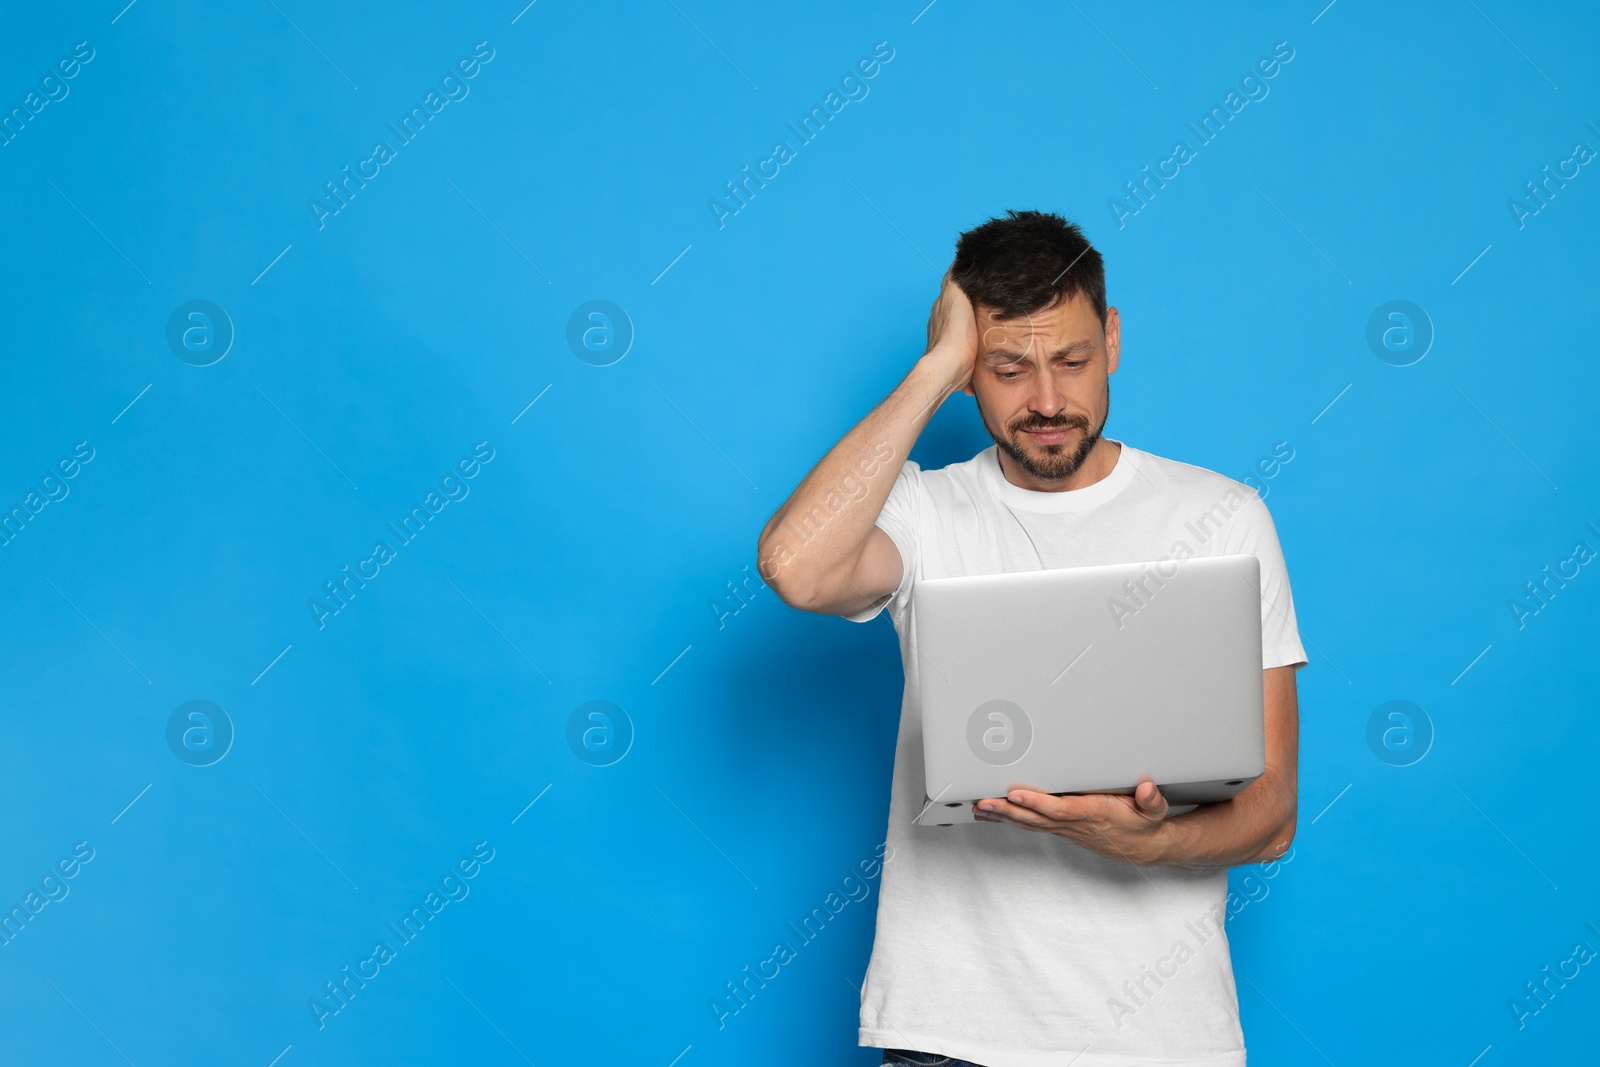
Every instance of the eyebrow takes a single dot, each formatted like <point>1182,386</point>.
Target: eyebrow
<point>1008,355</point>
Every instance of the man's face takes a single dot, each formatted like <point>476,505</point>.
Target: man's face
<point>1042,383</point>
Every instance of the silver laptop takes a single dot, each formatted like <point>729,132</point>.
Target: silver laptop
<point>1085,679</point>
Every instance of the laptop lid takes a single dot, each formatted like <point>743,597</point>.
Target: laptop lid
<point>1085,679</point>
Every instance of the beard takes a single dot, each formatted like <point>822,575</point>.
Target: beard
<point>1055,462</point>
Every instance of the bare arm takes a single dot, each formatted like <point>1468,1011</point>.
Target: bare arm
<point>1255,826</point>
<point>821,551</point>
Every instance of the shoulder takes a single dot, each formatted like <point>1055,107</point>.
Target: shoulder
<point>1191,482</point>
<point>952,479</point>
<point>1196,491</point>
<point>968,472</point>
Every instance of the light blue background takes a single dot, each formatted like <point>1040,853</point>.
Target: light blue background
<point>419,721</point>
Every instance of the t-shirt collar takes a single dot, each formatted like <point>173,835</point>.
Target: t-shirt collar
<point>1090,496</point>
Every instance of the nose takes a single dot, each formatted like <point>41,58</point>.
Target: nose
<point>1046,398</point>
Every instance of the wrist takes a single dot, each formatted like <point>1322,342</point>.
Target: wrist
<point>1161,843</point>
<point>946,367</point>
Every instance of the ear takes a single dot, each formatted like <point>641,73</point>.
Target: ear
<point>1113,333</point>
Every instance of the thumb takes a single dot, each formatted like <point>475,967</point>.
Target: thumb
<point>1148,796</point>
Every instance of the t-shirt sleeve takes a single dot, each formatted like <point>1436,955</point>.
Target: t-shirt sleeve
<point>1280,633</point>
<point>899,520</point>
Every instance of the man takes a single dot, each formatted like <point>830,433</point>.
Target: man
<point>1082,930</point>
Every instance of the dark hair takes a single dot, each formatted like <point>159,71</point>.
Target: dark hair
<point>1027,261</point>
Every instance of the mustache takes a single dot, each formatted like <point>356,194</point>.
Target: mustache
<point>1065,422</point>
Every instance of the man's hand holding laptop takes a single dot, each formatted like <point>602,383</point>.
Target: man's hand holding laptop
<point>1112,824</point>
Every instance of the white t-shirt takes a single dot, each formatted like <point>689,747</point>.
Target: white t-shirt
<point>1014,948</point>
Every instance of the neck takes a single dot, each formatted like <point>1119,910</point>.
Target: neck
<point>1095,466</point>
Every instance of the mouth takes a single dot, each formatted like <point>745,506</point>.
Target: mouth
<point>1053,435</point>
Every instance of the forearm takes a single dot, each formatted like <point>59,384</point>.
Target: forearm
<point>1255,826</point>
<point>819,531</point>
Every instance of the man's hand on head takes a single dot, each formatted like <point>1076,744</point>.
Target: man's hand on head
<point>953,335</point>
<point>1121,827</point>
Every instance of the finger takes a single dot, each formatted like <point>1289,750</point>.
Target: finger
<point>1079,807</point>
<point>1043,826</point>
<point>1061,809</point>
<point>1149,799</point>
<point>1022,826</point>
<point>1117,808</point>
<point>1016,813</point>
